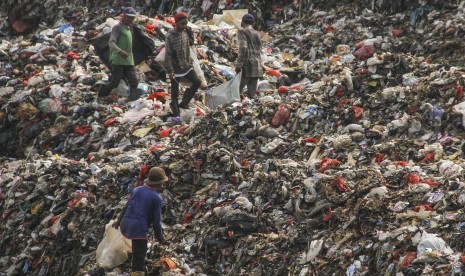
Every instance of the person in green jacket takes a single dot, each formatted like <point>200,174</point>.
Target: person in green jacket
<point>121,57</point>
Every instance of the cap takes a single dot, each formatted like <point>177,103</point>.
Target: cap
<point>248,19</point>
<point>156,176</point>
<point>129,11</point>
<point>180,16</point>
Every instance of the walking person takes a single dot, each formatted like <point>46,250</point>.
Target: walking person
<point>179,63</point>
<point>121,56</point>
<point>143,209</point>
<point>249,57</point>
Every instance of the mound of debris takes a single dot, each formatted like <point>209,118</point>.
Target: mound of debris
<point>349,161</point>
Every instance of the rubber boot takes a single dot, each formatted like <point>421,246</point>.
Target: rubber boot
<point>134,93</point>
<point>174,105</point>
<point>104,90</point>
<point>137,273</point>
<point>188,95</point>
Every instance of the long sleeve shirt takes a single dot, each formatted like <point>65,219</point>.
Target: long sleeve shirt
<point>142,210</point>
<point>177,52</point>
<point>120,40</point>
<point>249,58</point>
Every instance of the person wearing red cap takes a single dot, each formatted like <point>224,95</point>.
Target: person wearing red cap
<point>249,57</point>
<point>143,210</point>
<point>179,63</point>
<point>121,57</point>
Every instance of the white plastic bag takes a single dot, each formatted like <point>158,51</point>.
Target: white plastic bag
<point>197,68</point>
<point>433,245</point>
<point>113,249</point>
<point>226,93</point>
<point>160,58</point>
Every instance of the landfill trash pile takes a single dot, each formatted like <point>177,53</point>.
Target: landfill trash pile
<point>348,162</point>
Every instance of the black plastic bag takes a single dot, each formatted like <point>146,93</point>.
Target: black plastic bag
<point>142,46</point>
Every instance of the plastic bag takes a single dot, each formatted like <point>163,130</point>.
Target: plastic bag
<point>49,105</point>
<point>226,93</point>
<point>433,245</point>
<point>113,249</point>
<point>281,116</point>
<point>197,68</point>
<point>364,52</point>
<point>160,58</point>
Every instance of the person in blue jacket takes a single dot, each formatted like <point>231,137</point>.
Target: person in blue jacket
<point>143,210</point>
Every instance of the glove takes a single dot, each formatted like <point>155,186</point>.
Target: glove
<point>238,70</point>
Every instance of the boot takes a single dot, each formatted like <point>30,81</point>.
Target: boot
<point>188,95</point>
<point>134,93</point>
<point>137,273</point>
<point>174,105</point>
<point>104,90</point>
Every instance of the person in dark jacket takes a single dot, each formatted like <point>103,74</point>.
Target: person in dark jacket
<point>121,56</point>
<point>143,210</point>
<point>179,63</point>
<point>249,57</point>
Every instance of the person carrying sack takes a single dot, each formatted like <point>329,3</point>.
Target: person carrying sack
<point>121,56</point>
<point>249,57</point>
<point>179,63</point>
<point>143,210</point>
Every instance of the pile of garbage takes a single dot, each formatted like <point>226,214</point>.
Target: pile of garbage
<point>348,161</point>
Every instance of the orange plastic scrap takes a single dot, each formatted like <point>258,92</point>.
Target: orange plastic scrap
<point>167,263</point>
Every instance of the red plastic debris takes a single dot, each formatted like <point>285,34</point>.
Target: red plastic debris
<point>72,55</point>
<point>379,158</point>
<point>297,87</point>
<point>428,158</point>
<point>340,184</point>
<point>200,112</point>
<point>283,89</point>
<point>358,112</point>
<point>170,20</point>
<point>110,122</point>
<point>412,178</point>
<point>429,182</point>
<point>408,259</point>
<point>342,102</point>
<point>311,140</point>
<point>274,73</point>
<point>165,132</point>
<point>181,129</point>
<point>459,93</point>
<point>82,130</point>
<point>397,32</point>
<point>328,216</point>
<point>365,52</point>
<point>193,210</point>
<point>159,96</point>
<point>400,163</point>
<point>462,259</point>
<point>326,164</point>
<point>281,116</point>
<point>155,147</point>
<point>425,207</point>
<point>329,29</point>
<point>150,28</point>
